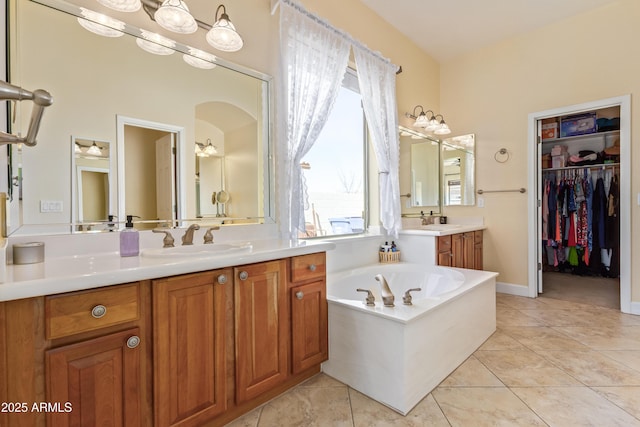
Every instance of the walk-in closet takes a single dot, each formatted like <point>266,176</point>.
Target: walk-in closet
<point>580,207</point>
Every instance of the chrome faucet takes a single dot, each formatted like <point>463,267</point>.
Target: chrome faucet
<point>387,295</point>
<point>187,238</point>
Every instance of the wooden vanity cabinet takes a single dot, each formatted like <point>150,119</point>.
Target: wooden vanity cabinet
<point>463,250</point>
<point>308,299</point>
<point>190,361</point>
<point>261,328</point>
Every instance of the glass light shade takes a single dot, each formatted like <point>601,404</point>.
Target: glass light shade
<point>100,24</point>
<point>122,5</point>
<point>432,125</point>
<point>77,149</point>
<point>443,129</point>
<point>94,150</point>
<point>155,43</point>
<point>210,149</point>
<point>199,59</point>
<point>421,121</point>
<point>223,35</point>
<point>174,16</point>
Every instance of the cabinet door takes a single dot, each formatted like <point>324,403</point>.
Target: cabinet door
<point>100,380</point>
<point>477,250</point>
<point>444,251</point>
<point>469,250</point>
<point>189,348</point>
<point>261,330</point>
<point>457,249</point>
<point>308,325</point>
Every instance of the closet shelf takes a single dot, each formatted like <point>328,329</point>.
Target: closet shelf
<point>578,137</point>
<point>598,166</point>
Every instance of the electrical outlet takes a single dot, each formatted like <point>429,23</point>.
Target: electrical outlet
<point>50,206</point>
<point>481,202</point>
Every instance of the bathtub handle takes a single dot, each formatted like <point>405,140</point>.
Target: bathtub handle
<point>370,300</point>
<point>406,299</point>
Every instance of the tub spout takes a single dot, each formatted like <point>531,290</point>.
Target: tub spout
<point>387,295</point>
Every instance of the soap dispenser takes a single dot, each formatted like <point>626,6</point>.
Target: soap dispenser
<point>129,239</point>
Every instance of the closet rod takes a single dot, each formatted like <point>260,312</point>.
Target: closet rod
<point>519,190</point>
<point>604,166</point>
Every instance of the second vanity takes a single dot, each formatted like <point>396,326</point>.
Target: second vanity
<point>451,245</point>
<point>158,341</point>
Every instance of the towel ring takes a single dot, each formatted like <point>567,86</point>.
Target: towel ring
<point>502,155</point>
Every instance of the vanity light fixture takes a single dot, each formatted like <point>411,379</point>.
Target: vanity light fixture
<point>94,150</point>
<point>207,150</point>
<point>174,15</point>
<point>122,5</point>
<point>223,35</point>
<point>100,24</point>
<point>443,128</point>
<point>77,149</point>
<point>155,43</point>
<point>199,59</point>
<point>431,124</point>
<point>210,149</point>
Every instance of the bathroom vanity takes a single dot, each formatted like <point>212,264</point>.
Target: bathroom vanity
<point>198,347</point>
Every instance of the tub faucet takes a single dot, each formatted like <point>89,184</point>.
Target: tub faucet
<point>187,238</point>
<point>387,295</point>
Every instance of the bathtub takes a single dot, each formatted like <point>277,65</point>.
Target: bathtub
<point>397,355</point>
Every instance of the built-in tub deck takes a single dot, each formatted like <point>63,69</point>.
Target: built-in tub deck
<point>397,355</point>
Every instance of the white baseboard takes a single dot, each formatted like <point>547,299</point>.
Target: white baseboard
<point>635,308</point>
<point>511,289</point>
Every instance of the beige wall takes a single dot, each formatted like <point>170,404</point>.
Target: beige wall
<point>490,92</point>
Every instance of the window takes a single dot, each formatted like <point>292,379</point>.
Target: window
<point>334,169</point>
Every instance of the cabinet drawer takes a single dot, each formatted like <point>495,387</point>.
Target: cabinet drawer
<point>306,267</point>
<point>84,311</point>
<point>444,243</point>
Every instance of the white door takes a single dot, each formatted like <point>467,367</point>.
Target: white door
<point>165,172</point>
<point>539,194</point>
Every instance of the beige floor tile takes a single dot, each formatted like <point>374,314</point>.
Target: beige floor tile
<point>553,303</point>
<point>592,368</point>
<point>542,338</point>
<point>604,338</point>
<point>322,380</point>
<point>501,341</point>
<point>513,317</point>
<point>471,373</point>
<point>308,406</point>
<point>369,413</point>
<point>249,419</point>
<point>479,407</point>
<point>523,368</point>
<point>515,302</point>
<point>630,358</point>
<point>556,317</point>
<point>627,398</point>
<point>574,406</point>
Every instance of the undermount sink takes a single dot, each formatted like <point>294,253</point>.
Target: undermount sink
<point>194,251</point>
<point>440,227</point>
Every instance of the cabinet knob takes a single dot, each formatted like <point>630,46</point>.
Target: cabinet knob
<point>98,311</point>
<point>222,279</point>
<point>299,294</point>
<point>133,341</point>
<point>243,275</point>
<point>312,267</point>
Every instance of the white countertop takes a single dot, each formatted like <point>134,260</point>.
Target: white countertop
<point>79,272</point>
<point>459,228</point>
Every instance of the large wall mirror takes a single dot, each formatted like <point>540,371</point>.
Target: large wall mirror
<point>425,169</point>
<point>176,135</point>
<point>458,170</point>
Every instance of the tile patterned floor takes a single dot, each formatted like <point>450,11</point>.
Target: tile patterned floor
<point>550,363</point>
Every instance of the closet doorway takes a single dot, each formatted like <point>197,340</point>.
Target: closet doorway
<point>579,206</point>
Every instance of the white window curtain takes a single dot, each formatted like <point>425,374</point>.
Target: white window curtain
<point>314,60</point>
<point>377,79</point>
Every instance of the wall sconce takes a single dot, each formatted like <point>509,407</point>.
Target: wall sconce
<point>429,124</point>
<point>207,150</point>
<point>223,35</point>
